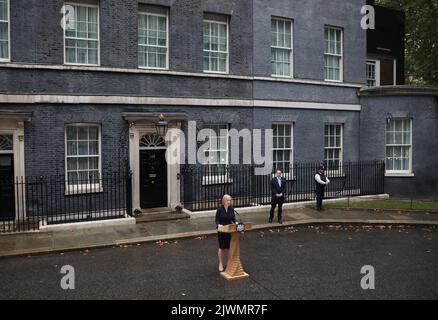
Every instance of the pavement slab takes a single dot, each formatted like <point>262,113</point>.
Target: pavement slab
<point>44,242</point>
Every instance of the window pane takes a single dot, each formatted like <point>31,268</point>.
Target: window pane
<point>4,10</point>
<point>398,138</point>
<point>72,164</point>
<point>72,178</point>
<point>94,148</point>
<point>83,133</point>
<point>82,163</point>
<point>83,148</point>
<point>94,163</point>
<point>72,148</point>
<point>4,40</point>
<point>92,56</point>
<point>72,133</point>
<point>6,142</point>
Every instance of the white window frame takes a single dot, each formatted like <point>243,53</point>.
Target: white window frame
<point>145,13</point>
<point>341,153</point>
<point>72,189</point>
<point>341,61</point>
<point>409,171</point>
<point>227,63</point>
<point>377,71</point>
<point>8,59</point>
<point>290,175</point>
<point>85,39</point>
<point>211,179</point>
<point>291,49</point>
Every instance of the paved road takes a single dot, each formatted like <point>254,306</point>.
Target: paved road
<point>291,263</point>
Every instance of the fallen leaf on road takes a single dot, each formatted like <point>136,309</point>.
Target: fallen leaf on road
<point>350,238</point>
<point>300,246</point>
<point>200,238</point>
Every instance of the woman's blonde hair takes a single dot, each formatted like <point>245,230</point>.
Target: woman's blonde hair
<point>225,197</point>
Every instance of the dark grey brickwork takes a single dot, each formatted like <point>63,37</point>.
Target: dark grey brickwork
<point>118,33</point>
<point>45,136</point>
<point>309,131</point>
<point>424,114</point>
<point>309,19</point>
<point>37,38</point>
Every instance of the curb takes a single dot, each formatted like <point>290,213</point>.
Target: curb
<point>405,211</point>
<point>286,206</point>
<point>185,235</point>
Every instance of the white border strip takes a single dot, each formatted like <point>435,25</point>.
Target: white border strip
<point>72,99</point>
<point>176,73</point>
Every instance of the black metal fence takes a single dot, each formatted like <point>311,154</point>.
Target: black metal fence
<point>29,202</point>
<point>202,187</point>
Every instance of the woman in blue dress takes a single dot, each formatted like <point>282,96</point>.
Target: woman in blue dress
<point>224,216</point>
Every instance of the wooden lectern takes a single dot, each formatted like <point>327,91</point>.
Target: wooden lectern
<point>234,269</point>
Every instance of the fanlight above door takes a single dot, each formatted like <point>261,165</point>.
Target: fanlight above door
<point>152,141</point>
<point>6,142</point>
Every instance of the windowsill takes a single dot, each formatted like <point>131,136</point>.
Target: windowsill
<point>334,81</point>
<point>216,180</point>
<point>400,175</point>
<point>81,64</point>
<point>5,60</point>
<point>281,77</point>
<point>151,68</point>
<point>215,72</point>
<point>83,189</point>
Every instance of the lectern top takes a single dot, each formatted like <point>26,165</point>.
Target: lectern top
<point>230,228</point>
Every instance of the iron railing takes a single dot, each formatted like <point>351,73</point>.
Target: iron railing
<point>32,201</point>
<point>202,187</point>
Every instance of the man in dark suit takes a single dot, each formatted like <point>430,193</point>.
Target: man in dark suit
<point>278,189</point>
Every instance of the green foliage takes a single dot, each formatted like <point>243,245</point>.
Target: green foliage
<point>421,39</point>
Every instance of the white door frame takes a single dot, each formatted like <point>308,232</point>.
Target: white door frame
<point>15,126</point>
<point>137,129</point>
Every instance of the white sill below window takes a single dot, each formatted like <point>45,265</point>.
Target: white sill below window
<point>216,72</point>
<point>334,81</point>
<point>82,189</point>
<point>212,180</point>
<point>399,174</point>
<point>281,76</point>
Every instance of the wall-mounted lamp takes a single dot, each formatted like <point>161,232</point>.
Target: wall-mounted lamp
<point>161,126</point>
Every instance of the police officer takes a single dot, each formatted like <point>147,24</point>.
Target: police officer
<point>320,182</point>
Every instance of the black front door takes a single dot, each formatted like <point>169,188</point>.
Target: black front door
<point>153,179</point>
<point>7,195</point>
